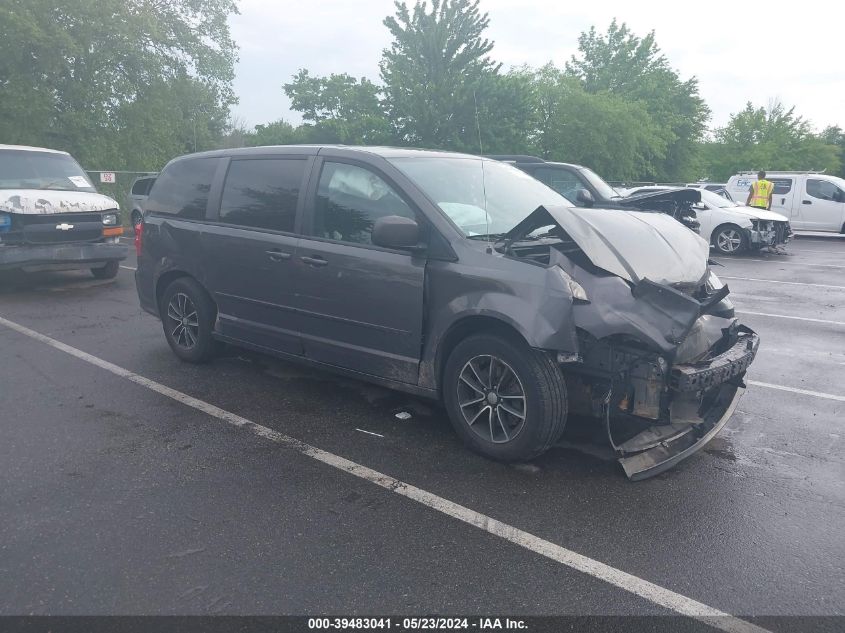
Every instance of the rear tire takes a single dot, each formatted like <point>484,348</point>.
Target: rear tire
<point>137,218</point>
<point>187,316</point>
<point>109,271</point>
<point>482,382</point>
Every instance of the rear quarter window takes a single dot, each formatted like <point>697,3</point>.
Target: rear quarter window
<point>183,188</point>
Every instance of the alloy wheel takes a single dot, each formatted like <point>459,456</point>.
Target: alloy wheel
<point>729,240</point>
<point>183,320</point>
<point>491,399</point>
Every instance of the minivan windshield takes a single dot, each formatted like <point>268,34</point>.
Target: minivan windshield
<point>26,169</point>
<point>482,197</point>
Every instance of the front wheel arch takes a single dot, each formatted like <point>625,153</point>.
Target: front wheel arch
<point>743,234</point>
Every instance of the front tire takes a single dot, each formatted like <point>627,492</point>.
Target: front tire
<point>187,316</point>
<point>109,271</point>
<point>729,239</point>
<point>505,400</point>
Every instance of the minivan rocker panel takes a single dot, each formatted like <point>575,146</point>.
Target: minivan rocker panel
<point>610,315</point>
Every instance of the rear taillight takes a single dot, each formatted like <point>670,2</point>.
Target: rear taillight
<point>139,232</point>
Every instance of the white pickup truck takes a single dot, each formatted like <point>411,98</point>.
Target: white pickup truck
<point>812,201</point>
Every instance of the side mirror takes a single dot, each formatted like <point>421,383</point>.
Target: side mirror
<point>583,196</point>
<point>394,231</point>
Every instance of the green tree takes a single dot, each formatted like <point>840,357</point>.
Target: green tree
<point>276,133</point>
<point>772,138</point>
<point>621,64</point>
<point>86,75</point>
<point>437,71</point>
<point>613,136</point>
<point>834,135</point>
<point>339,108</point>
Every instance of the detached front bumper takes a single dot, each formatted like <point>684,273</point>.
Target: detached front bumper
<point>60,255</point>
<point>702,398</point>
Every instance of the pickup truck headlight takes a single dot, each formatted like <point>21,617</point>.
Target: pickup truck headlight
<point>110,219</point>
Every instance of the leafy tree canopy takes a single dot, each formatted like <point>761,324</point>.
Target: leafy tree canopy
<point>87,75</point>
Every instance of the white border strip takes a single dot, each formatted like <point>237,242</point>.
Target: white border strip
<point>796,318</point>
<point>775,261</point>
<point>647,590</point>
<point>805,392</point>
<point>789,283</point>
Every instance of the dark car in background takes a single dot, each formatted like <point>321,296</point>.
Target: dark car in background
<point>51,216</point>
<point>137,195</point>
<point>585,188</point>
<point>450,277</point>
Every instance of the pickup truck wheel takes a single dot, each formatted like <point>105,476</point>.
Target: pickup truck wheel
<point>109,271</point>
<point>187,316</point>
<point>729,239</point>
<point>505,400</point>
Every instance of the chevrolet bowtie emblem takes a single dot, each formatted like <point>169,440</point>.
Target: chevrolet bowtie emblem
<point>64,226</point>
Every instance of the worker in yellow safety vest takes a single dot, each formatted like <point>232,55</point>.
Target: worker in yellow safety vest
<point>760,195</point>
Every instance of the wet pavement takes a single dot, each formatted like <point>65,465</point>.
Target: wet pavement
<point>117,499</point>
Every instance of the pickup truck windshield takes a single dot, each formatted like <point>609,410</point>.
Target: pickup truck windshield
<point>24,169</point>
<point>482,197</point>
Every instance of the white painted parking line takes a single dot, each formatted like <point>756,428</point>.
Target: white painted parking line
<point>798,251</point>
<point>789,283</point>
<point>804,392</point>
<point>786,316</point>
<point>128,268</point>
<point>633,584</point>
<point>369,432</point>
<point>774,261</point>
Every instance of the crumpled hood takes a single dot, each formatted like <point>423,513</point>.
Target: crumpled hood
<point>759,214</point>
<point>682,196</point>
<point>51,201</point>
<point>633,245</point>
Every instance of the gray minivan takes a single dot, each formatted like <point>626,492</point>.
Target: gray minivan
<point>451,277</point>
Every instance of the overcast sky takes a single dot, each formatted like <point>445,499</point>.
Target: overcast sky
<point>739,51</point>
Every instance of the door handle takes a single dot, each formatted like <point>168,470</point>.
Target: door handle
<point>783,201</point>
<point>278,256</point>
<point>314,261</point>
<point>807,202</point>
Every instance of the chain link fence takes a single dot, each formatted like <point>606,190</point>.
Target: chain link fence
<point>118,185</point>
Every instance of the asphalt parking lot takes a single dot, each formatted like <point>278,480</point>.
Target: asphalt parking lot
<point>130,488</point>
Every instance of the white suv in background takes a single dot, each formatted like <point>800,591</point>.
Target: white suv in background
<point>812,201</point>
<point>731,227</point>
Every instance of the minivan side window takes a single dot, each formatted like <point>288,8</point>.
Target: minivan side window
<point>349,201</point>
<point>824,190</point>
<point>262,193</point>
<point>565,182</point>
<point>781,186</point>
<point>182,188</point>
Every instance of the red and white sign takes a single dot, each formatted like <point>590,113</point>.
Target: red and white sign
<point>108,176</point>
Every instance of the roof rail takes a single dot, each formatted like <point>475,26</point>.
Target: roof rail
<point>783,171</point>
<point>517,158</point>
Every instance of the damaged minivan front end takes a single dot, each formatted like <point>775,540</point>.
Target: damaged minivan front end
<point>658,355</point>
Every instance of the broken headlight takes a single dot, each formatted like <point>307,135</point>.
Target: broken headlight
<point>575,288</point>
